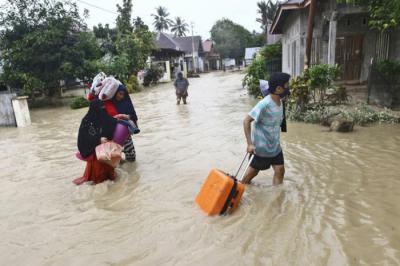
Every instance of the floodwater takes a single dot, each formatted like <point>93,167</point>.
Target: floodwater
<point>339,204</point>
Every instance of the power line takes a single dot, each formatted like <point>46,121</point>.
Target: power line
<point>100,8</point>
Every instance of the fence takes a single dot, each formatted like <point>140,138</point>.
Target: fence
<point>273,65</point>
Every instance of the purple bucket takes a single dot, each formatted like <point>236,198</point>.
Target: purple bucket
<point>121,133</point>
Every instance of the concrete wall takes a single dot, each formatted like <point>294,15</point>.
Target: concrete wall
<point>21,111</point>
<point>292,46</point>
<point>7,117</point>
<point>394,53</point>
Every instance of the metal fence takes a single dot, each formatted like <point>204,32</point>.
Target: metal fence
<point>273,65</point>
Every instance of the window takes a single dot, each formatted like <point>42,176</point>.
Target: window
<point>364,21</point>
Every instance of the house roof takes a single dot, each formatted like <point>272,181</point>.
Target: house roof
<point>250,52</point>
<point>186,45</point>
<point>283,12</point>
<point>164,41</point>
<point>207,46</point>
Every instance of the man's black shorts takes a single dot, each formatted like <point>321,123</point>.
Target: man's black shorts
<point>263,163</point>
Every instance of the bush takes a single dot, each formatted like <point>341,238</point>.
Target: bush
<point>256,71</point>
<point>312,86</point>
<point>152,75</point>
<point>390,69</point>
<point>362,115</point>
<point>271,51</point>
<point>132,84</point>
<point>79,102</point>
<point>320,79</point>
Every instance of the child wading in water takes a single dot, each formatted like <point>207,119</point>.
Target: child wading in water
<point>263,140</point>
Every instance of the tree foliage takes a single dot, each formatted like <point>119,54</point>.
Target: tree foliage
<point>43,42</point>
<point>230,39</point>
<point>131,44</point>
<point>267,12</point>
<point>179,27</point>
<point>124,25</point>
<point>161,20</point>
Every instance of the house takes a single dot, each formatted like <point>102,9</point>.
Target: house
<point>212,60</point>
<point>340,36</point>
<point>168,55</point>
<point>250,54</point>
<point>177,52</point>
<point>192,46</point>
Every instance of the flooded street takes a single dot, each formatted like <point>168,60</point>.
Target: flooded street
<point>339,204</point>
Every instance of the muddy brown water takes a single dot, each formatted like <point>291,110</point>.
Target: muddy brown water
<point>339,205</point>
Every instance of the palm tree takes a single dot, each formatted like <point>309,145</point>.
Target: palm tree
<point>180,27</point>
<point>267,11</point>
<point>161,20</point>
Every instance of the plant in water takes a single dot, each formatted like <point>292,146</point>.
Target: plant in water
<point>132,84</point>
<point>79,102</point>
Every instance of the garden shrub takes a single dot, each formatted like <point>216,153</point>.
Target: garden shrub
<point>79,102</point>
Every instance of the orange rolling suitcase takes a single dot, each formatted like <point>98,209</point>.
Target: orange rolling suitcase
<point>221,192</point>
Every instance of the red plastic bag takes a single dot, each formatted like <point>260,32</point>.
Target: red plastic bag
<point>109,153</point>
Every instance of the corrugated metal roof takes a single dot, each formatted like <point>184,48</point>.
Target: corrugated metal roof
<point>185,43</point>
<point>164,41</point>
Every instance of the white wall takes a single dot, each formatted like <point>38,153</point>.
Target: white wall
<point>292,45</point>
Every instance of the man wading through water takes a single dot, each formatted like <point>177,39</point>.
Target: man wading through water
<point>181,86</point>
<point>263,140</point>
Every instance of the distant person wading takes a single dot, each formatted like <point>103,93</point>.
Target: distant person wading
<point>181,86</point>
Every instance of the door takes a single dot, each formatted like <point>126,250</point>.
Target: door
<point>349,56</point>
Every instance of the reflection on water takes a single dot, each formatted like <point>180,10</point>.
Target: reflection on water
<point>338,205</point>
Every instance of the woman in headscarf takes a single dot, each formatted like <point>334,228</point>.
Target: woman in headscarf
<point>96,127</point>
<point>126,112</point>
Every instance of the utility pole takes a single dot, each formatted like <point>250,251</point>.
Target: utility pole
<point>194,67</point>
<point>310,30</point>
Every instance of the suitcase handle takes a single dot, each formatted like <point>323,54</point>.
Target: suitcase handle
<point>247,165</point>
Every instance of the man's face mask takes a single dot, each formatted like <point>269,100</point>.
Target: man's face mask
<point>286,91</point>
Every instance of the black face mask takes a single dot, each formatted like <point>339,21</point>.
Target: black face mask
<point>284,93</point>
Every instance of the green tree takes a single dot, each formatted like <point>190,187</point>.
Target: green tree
<point>133,44</point>
<point>258,39</point>
<point>230,39</point>
<point>44,42</point>
<point>161,20</point>
<point>180,27</point>
<point>107,38</point>
<point>83,58</point>
<point>267,11</point>
<point>124,25</point>
<point>139,24</point>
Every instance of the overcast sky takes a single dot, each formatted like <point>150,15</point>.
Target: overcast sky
<point>203,13</point>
